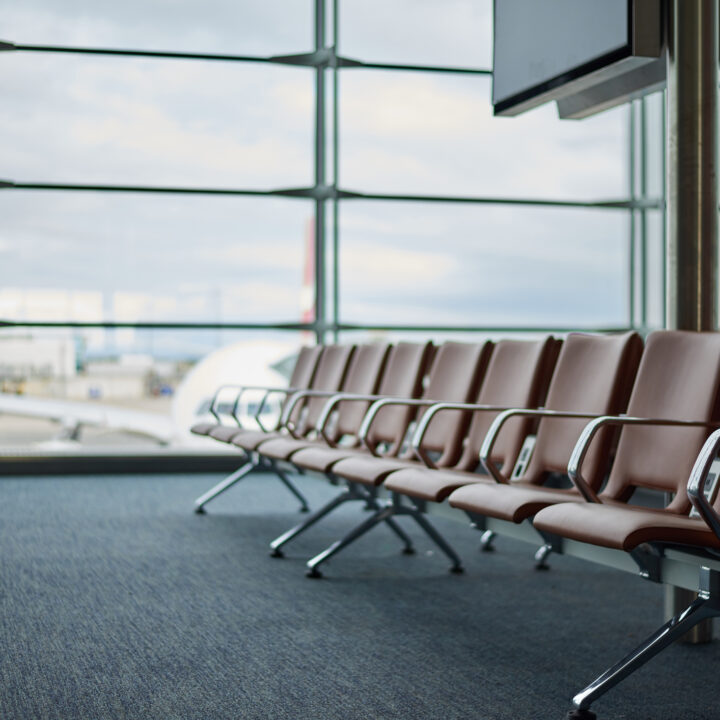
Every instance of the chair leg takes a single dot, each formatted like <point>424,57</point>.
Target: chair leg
<point>379,516</point>
<point>286,537</point>
<point>541,556</point>
<point>223,485</point>
<point>435,536</point>
<point>290,485</point>
<point>486,541</point>
<point>706,606</point>
<point>408,549</point>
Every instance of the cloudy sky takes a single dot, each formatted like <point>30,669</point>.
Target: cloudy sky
<point>79,119</point>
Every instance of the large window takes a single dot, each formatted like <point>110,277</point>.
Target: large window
<point>179,178</point>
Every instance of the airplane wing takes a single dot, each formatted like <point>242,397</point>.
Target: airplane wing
<point>73,415</point>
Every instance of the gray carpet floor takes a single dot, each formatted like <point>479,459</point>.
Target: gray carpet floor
<point>116,601</point>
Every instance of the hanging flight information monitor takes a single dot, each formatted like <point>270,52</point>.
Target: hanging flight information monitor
<point>588,55</point>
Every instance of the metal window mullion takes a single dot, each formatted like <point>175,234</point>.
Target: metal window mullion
<point>643,214</point>
<point>632,289</point>
<point>336,177</point>
<point>320,140</point>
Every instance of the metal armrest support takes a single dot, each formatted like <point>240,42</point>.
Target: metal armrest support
<point>375,408</point>
<point>261,407</point>
<point>331,404</point>
<point>240,390</point>
<point>295,398</point>
<point>431,412</point>
<point>216,398</point>
<point>698,478</point>
<point>582,446</point>
<point>501,419</point>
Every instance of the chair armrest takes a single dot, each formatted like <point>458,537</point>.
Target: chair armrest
<point>375,408</point>
<point>295,398</point>
<point>582,446</point>
<point>502,418</point>
<point>268,391</point>
<point>240,390</point>
<point>331,404</point>
<point>261,406</point>
<point>698,478</point>
<point>216,399</point>
<point>431,412</point>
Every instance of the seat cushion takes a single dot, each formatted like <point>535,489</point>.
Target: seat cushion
<point>282,448</point>
<point>432,485</point>
<point>369,470</point>
<point>321,458</point>
<point>624,527</point>
<point>514,502</point>
<point>224,433</point>
<point>203,428</point>
<point>252,439</point>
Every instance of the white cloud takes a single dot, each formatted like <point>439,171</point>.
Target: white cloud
<point>374,267</point>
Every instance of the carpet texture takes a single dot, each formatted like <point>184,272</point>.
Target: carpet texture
<point>116,601</point>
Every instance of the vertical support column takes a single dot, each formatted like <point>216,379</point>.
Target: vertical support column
<point>336,175</point>
<point>320,202</point>
<point>632,289</point>
<point>643,216</point>
<point>692,187</point>
<point>692,197</point>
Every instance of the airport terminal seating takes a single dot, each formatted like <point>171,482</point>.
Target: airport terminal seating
<point>593,376</point>
<point>327,374</point>
<point>456,372</point>
<point>662,444</point>
<point>517,371</point>
<point>300,379</point>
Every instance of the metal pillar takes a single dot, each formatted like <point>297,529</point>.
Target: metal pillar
<point>692,197</point>
<point>320,174</point>
<point>692,186</point>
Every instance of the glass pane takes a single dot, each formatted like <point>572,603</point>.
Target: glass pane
<point>213,26</point>
<point>104,120</point>
<point>655,139</point>
<point>483,265</point>
<point>161,258</point>
<point>165,377</point>
<point>452,33</point>
<point>655,228</point>
<point>433,134</point>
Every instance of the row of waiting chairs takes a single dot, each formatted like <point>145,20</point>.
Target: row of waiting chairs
<point>612,413</point>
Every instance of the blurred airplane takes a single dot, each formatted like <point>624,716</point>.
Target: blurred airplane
<point>253,362</point>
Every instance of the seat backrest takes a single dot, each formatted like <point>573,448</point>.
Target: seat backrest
<point>405,369</point>
<point>302,374</point>
<point>594,374</point>
<point>455,376</point>
<point>517,377</point>
<point>363,378</point>
<point>679,378</point>
<point>305,365</point>
<point>329,376</point>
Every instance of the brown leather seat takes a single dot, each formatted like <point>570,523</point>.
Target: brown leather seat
<point>594,376</point>
<point>301,377</point>
<point>615,525</point>
<point>403,377</point>
<point>517,376</point>
<point>328,377</point>
<point>363,378</point>
<point>679,379</point>
<point>456,372</point>
<point>454,377</point>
